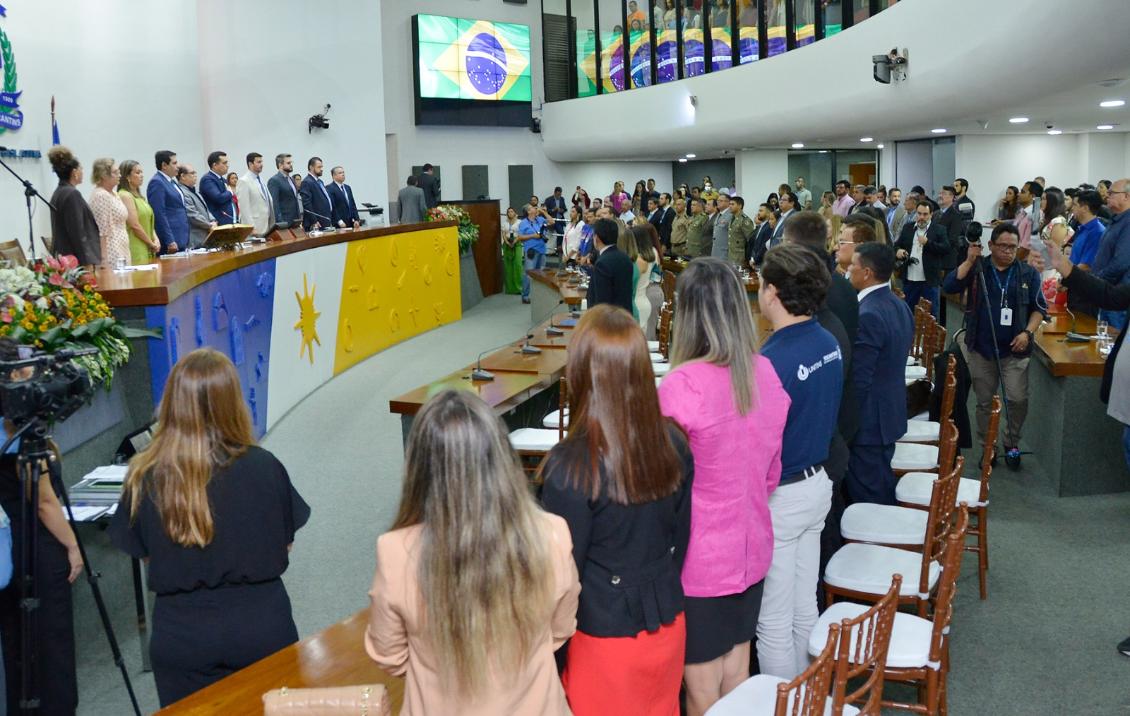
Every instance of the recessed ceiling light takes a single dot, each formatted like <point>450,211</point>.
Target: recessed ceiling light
<point>823,151</point>
<point>1055,132</point>
<point>1105,126</point>
<point>691,156</point>
<point>1112,103</point>
<point>880,146</point>
<point>682,160</point>
<point>1018,120</point>
<point>866,139</point>
<point>938,130</point>
<point>798,145</point>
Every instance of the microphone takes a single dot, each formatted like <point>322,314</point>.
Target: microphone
<point>1071,336</point>
<point>330,227</point>
<point>478,373</point>
<point>527,349</point>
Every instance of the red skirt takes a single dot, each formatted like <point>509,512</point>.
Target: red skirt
<point>627,675</point>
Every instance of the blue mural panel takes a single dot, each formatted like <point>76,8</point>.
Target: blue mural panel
<point>239,325</point>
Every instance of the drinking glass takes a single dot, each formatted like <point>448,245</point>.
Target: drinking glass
<point>1102,329</point>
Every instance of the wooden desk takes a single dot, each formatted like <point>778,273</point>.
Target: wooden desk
<point>1060,323</point>
<point>333,657</point>
<point>542,340</point>
<point>1063,359</point>
<point>566,287</point>
<point>549,363</point>
<point>176,276</point>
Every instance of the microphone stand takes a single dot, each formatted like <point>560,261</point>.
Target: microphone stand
<point>29,192</point>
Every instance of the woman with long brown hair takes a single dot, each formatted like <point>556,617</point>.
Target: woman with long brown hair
<point>731,404</point>
<point>475,585</point>
<point>621,479</point>
<point>215,516</point>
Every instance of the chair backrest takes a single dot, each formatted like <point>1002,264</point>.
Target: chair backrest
<point>13,253</point>
<point>990,443</point>
<point>807,694</point>
<point>864,641</point>
<point>920,324</point>
<point>562,403</point>
<point>663,333</point>
<point>947,449</point>
<point>939,523</point>
<point>947,585</point>
<point>949,389</point>
<point>935,344</point>
<point>669,287</point>
<point>925,304</point>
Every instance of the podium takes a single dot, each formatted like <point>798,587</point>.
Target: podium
<point>227,236</point>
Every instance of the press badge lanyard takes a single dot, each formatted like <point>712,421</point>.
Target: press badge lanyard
<point>1006,312</point>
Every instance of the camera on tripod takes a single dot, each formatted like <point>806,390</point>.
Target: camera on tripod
<point>56,387</point>
<point>973,232</point>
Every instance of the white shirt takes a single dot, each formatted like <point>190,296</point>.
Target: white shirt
<point>915,271</point>
<point>871,289</point>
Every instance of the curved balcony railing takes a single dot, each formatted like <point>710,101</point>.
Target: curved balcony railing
<point>585,40</point>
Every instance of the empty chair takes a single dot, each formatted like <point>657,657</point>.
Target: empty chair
<point>912,491</point>
<point>13,253</point>
<point>533,444</point>
<point>929,431</point>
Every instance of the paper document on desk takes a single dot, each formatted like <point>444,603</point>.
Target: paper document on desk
<point>107,474</point>
<point>86,513</point>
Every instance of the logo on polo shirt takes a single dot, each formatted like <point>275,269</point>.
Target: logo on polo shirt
<point>802,372</point>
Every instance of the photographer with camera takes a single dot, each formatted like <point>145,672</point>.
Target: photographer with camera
<point>921,250</point>
<point>1003,308</point>
<point>58,564</point>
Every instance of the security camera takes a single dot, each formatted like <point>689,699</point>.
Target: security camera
<point>319,121</point>
<point>890,66</point>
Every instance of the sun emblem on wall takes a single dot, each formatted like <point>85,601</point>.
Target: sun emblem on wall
<point>307,320</point>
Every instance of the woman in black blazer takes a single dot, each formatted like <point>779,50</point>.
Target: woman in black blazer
<point>73,228</point>
<point>621,479</point>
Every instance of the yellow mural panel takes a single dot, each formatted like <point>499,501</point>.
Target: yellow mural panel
<point>396,287</point>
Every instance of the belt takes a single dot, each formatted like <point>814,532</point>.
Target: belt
<point>804,474</point>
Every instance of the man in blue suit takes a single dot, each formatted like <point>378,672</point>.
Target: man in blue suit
<point>316,202</point>
<point>214,189</point>
<point>341,197</point>
<point>878,370</point>
<point>169,213</point>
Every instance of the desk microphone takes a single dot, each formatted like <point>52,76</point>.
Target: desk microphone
<point>478,373</point>
<point>527,349</point>
<point>1071,336</point>
<point>331,226</point>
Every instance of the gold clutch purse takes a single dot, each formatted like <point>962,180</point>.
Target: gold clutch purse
<point>365,700</point>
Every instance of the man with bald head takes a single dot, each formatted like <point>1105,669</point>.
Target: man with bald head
<point>1112,262</point>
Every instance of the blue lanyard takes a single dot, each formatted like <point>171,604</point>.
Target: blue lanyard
<point>1007,281</point>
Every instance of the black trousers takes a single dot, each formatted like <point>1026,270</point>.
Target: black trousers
<point>200,637</point>
<point>54,674</point>
<point>869,477</point>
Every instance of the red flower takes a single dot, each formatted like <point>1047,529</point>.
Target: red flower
<point>5,316</point>
<point>69,262</point>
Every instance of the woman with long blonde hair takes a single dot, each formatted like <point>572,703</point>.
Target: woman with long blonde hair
<point>731,404</point>
<point>215,515</point>
<point>475,585</point>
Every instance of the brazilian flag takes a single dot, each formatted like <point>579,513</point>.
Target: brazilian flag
<point>473,59</point>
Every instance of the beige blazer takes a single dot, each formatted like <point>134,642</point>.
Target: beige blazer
<point>395,639</point>
<point>254,208</point>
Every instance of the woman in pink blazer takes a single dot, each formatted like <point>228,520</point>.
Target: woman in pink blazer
<point>475,586</point>
<point>731,404</point>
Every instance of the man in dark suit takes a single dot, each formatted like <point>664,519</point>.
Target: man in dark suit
<point>787,202</point>
<point>759,244</point>
<point>214,189</point>
<point>922,247</point>
<point>661,217</point>
<point>316,203</point>
<point>284,196</point>
<point>949,218</point>
<point>611,280</point>
<point>555,207</point>
<point>169,215</point>
<point>411,202</point>
<point>430,185</point>
<point>344,211</point>
<point>886,331</point>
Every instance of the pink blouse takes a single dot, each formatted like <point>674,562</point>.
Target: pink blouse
<point>737,463</point>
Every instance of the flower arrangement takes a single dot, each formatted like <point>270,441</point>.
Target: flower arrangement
<point>468,230</point>
<point>53,305</point>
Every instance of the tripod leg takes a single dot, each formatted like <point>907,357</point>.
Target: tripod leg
<point>29,595</point>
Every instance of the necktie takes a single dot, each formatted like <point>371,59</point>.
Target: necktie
<point>262,189</point>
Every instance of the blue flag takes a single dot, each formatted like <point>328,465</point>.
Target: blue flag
<point>54,125</point>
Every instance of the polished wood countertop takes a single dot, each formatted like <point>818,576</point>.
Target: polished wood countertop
<point>174,277</point>
<point>567,284</point>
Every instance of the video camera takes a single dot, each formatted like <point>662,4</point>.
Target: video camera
<point>56,388</point>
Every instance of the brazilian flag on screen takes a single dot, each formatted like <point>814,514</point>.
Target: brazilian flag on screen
<point>473,59</point>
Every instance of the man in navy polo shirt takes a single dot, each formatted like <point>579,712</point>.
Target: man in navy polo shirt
<point>531,232</point>
<point>808,361</point>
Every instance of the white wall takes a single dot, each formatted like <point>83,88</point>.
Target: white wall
<point>993,162</point>
<point>259,88</point>
<point>125,83</point>
<point>761,171</point>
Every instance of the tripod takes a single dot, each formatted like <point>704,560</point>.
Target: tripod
<point>35,461</point>
<point>29,192</point>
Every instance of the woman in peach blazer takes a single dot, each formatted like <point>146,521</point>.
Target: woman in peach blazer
<point>475,586</point>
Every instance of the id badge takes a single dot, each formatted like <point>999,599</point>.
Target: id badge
<point>1006,316</point>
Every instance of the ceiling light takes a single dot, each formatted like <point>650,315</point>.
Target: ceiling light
<point>1018,120</point>
<point>938,130</point>
<point>1055,132</point>
<point>691,156</point>
<point>682,160</point>
<point>823,151</point>
<point>798,145</point>
<point>880,146</point>
<point>1105,126</point>
<point>866,139</point>
<point>1112,103</point>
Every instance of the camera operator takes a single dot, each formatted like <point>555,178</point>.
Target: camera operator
<point>921,249</point>
<point>999,335</point>
<point>58,563</point>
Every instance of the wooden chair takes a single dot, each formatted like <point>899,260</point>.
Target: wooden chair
<point>533,444</point>
<point>922,317</point>
<point>865,638</point>
<point>929,431</point>
<point>861,571</point>
<point>900,526</point>
<point>806,695</point>
<point>663,332</point>
<point>13,253</point>
<point>914,456</point>
<point>910,492</point>
<point>932,344</point>
<point>669,288</point>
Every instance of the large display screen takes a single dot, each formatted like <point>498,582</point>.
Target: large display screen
<point>472,59</point>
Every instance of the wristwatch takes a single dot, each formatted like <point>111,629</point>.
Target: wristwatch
<point>1031,335</point>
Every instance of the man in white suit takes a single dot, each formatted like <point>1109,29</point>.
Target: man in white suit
<point>255,205</point>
